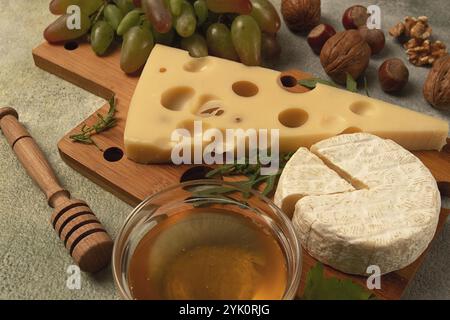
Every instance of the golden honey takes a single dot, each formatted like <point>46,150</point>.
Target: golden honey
<point>206,253</point>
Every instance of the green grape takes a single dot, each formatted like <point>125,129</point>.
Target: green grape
<point>133,18</point>
<point>201,11</point>
<point>59,32</point>
<point>113,15</point>
<point>270,48</point>
<point>246,37</point>
<point>196,45</point>
<point>124,5</point>
<point>186,22</point>
<point>266,15</point>
<point>158,14</point>
<point>218,38</point>
<point>102,35</point>
<point>136,47</point>
<point>146,24</point>
<point>230,6</point>
<point>164,38</point>
<point>87,7</point>
<point>175,6</point>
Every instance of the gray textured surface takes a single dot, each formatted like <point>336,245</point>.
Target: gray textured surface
<point>33,262</point>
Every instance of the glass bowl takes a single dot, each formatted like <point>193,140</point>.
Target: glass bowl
<point>152,214</point>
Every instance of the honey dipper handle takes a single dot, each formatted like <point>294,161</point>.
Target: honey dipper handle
<point>31,157</point>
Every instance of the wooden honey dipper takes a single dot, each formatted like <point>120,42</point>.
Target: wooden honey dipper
<point>83,235</point>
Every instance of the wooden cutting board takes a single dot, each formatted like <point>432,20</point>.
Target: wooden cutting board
<point>133,182</point>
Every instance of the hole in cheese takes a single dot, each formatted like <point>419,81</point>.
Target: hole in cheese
<point>363,108</point>
<point>208,106</point>
<point>333,122</point>
<point>351,130</point>
<point>245,89</point>
<point>293,118</point>
<point>197,64</point>
<point>288,81</point>
<point>176,98</point>
<point>162,70</point>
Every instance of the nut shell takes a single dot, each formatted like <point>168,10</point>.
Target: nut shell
<point>319,36</point>
<point>345,52</point>
<point>301,15</point>
<point>437,86</point>
<point>375,39</point>
<point>355,17</point>
<point>393,75</point>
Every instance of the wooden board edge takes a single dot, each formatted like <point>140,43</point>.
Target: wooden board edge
<point>86,84</point>
<point>98,179</point>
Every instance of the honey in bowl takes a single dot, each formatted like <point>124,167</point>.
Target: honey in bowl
<point>208,253</point>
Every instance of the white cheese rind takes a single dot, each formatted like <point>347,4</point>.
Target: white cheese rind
<point>388,223</point>
<point>384,227</point>
<point>305,174</point>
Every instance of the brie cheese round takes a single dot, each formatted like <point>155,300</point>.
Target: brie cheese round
<point>389,217</point>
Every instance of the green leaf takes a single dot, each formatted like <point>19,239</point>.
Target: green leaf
<point>312,83</point>
<point>366,86</point>
<point>352,85</point>
<point>320,288</point>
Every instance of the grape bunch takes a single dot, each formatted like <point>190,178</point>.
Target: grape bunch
<point>239,30</point>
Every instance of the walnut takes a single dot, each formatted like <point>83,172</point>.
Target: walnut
<point>437,86</point>
<point>424,52</point>
<point>345,52</point>
<point>420,50</point>
<point>301,15</point>
<point>398,30</point>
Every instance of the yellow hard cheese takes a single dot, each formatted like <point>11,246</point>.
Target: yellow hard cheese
<point>175,90</point>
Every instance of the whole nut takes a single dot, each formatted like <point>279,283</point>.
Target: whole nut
<point>319,36</point>
<point>301,15</point>
<point>374,37</point>
<point>345,53</point>
<point>393,75</point>
<point>355,17</point>
<point>437,86</point>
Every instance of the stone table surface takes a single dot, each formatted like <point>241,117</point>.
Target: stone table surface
<point>33,263</point>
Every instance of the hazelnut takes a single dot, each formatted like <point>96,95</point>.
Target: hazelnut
<point>437,86</point>
<point>355,17</point>
<point>345,53</point>
<point>301,15</point>
<point>374,37</point>
<point>393,75</point>
<point>319,35</point>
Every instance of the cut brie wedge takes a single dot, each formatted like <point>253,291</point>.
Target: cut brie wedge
<point>312,177</point>
<point>387,220</point>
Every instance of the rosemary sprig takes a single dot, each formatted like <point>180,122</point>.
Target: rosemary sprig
<point>253,174</point>
<point>104,122</point>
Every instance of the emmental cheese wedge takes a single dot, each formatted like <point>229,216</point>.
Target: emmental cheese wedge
<point>388,221</point>
<point>175,90</point>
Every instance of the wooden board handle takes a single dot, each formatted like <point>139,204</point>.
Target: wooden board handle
<point>31,157</point>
